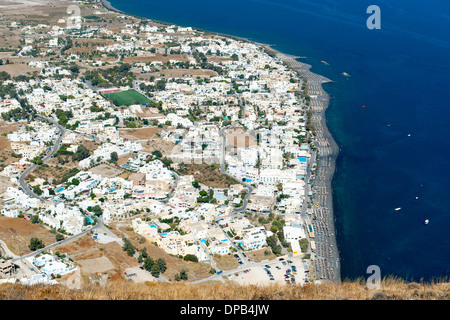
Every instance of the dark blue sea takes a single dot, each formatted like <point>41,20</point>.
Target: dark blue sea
<point>401,73</point>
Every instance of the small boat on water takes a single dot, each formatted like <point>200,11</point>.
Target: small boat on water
<point>396,209</point>
<point>426,221</point>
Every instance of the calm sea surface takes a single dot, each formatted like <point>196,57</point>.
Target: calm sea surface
<point>401,73</point>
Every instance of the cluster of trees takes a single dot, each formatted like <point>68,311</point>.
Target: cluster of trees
<point>37,190</point>
<point>81,153</point>
<point>160,85</point>
<point>35,244</point>
<point>63,116</point>
<point>4,76</point>
<point>24,112</point>
<point>273,244</point>
<point>203,63</point>
<point>283,241</point>
<point>156,267</point>
<point>118,76</point>
<point>190,257</point>
<point>206,196</point>
<point>128,247</point>
<point>97,210</point>
<point>183,275</point>
<point>68,45</point>
<point>304,244</point>
<point>62,151</point>
<point>96,108</point>
<point>70,173</point>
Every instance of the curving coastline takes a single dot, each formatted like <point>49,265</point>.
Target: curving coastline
<point>326,263</point>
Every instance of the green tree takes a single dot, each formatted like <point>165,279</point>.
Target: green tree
<point>304,244</point>
<point>184,274</point>
<point>128,247</point>
<point>157,153</point>
<point>155,270</point>
<point>35,244</point>
<point>162,265</point>
<point>37,190</point>
<point>114,156</point>
<point>191,257</point>
<point>81,153</point>
<point>148,263</point>
<point>34,219</point>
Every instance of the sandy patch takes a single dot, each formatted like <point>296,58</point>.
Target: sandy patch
<point>104,238</point>
<point>140,134</point>
<point>137,275</point>
<point>19,69</point>
<point>188,72</point>
<point>74,280</point>
<point>106,171</point>
<point>95,265</point>
<point>157,57</point>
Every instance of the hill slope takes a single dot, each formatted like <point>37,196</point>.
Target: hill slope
<point>391,289</point>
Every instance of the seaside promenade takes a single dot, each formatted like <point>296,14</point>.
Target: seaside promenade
<point>325,259</point>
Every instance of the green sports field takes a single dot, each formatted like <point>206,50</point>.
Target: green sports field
<point>126,98</point>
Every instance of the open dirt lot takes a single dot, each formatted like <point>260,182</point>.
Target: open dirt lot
<point>19,69</point>
<point>156,143</point>
<point>5,182</point>
<point>16,233</point>
<point>140,134</point>
<point>99,262</point>
<point>188,72</point>
<point>137,275</point>
<point>5,152</point>
<point>207,174</point>
<point>226,262</point>
<point>106,171</point>
<point>6,127</point>
<point>157,57</point>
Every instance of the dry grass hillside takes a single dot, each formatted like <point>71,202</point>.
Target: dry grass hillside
<point>391,289</point>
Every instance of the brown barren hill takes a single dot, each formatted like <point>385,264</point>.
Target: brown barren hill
<point>17,233</point>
